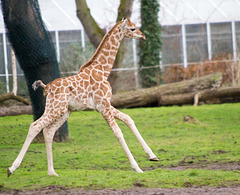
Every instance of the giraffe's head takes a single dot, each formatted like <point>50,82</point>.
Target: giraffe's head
<point>130,30</point>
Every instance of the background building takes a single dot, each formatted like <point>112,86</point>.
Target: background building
<point>193,31</point>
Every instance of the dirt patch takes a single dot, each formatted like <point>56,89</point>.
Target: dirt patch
<point>140,189</point>
<point>217,166</point>
<point>56,190</point>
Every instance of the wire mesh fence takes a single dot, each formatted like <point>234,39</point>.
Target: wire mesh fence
<point>224,40</point>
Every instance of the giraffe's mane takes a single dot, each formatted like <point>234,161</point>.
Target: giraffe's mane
<point>89,62</point>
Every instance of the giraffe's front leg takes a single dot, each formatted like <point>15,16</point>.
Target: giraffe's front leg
<point>48,133</point>
<point>118,134</point>
<point>130,123</point>
<point>34,129</point>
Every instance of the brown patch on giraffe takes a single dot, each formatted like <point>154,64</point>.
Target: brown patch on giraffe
<point>113,53</point>
<point>99,92</point>
<point>97,75</point>
<point>58,83</point>
<point>74,84</point>
<point>66,90</point>
<point>106,46</point>
<point>105,53</point>
<point>59,90</point>
<point>84,75</point>
<point>65,83</point>
<point>50,96</point>
<point>81,83</point>
<point>97,99</point>
<point>107,68</point>
<point>115,31</point>
<point>99,67</point>
<point>57,96</point>
<point>106,103</point>
<point>114,48</point>
<point>95,87</point>
<point>87,70</point>
<point>106,74</point>
<point>51,103</point>
<point>91,80</point>
<point>109,94</point>
<point>110,60</point>
<point>94,63</point>
<point>102,59</point>
<point>104,88</point>
<point>86,83</point>
<point>74,92</point>
<point>113,41</point>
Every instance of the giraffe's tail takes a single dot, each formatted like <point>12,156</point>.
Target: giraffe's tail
<point>38,83</point>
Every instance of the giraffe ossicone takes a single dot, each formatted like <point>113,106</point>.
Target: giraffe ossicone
<point>89,89</point>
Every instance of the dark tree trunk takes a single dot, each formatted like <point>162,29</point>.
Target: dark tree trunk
<point>34,50</point>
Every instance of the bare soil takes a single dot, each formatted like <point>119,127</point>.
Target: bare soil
<point>56,190</point>
<point>222,190</point>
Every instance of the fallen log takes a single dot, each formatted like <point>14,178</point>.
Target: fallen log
<point>153,96</point>
<point>15,110</point>
<point>203,95</point>
<point>9,96</point>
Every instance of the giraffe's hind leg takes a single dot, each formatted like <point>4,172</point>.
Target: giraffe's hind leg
<point>34,129</point>
<point>48,133</point>
<point>130,123</point>
<point>118,134</point>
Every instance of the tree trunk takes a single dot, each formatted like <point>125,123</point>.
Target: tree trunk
<point>95,34</point>
<point>154,96</point>
<point>33,48</point>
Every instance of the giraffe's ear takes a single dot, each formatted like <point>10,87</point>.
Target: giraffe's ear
<point>124,22</point>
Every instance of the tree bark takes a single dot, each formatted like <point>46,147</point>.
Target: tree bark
<point>204,95</point>
<point>34,50</point>
<point>15,110</point>
<point>95,33</point>
<point>154,96</point>
<point>9,96</point>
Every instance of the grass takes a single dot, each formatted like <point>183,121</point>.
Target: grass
<point>93,159</point>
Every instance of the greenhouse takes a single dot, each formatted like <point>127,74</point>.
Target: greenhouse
<point>192,32</point>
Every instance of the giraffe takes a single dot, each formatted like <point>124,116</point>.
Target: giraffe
<point>88,89</point>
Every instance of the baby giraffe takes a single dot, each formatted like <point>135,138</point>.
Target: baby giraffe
<point>89,89</point>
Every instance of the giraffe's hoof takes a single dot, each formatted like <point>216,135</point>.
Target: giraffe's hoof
<point>138,170</point>
<point>154,159</point>
<point>9,172</point>
<point>53,174</point>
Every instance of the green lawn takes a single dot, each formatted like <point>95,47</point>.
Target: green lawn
<point>93,159</point>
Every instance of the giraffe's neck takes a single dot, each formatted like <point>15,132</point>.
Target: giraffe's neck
<point>106,52</point>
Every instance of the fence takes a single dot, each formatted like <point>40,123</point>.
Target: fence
<point>181,45</point>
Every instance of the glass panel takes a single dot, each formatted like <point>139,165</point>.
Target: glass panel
<point>196,42</point>
<point>221,35</point>
<point>171,44</point>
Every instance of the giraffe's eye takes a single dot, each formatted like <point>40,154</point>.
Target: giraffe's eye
<point>132,29</point>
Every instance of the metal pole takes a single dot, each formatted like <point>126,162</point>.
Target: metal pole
<point>234,45</point>
<point>14,70</point>
<point>135,62</point>
<point>57,46</point>
<point>83,39</point>
<point>184,45</point>
<point>5,61</point>
<point>209,41</point>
